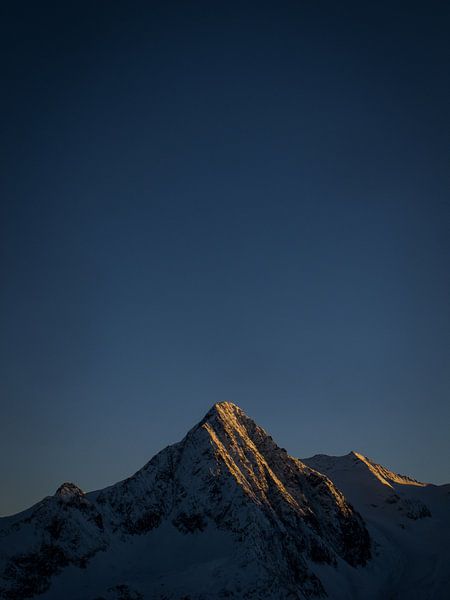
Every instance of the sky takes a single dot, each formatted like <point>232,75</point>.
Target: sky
<point>215,201</point>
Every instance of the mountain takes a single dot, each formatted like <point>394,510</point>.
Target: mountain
<point>225,513</point>
<point>369,485</point>
<point>408,521</point>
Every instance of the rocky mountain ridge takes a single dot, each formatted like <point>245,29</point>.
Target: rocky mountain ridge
<point>223,513</point>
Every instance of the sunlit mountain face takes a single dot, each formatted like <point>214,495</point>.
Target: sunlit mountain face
<point>227,513</point>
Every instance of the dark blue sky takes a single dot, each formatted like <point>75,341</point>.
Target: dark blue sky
<point>222,201</point>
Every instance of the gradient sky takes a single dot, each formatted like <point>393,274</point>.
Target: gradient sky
<point>211,201</point>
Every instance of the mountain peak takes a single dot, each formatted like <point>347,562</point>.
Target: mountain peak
<point>68,490</point>
<point>229,417</point>
<point>226,403</point>
<point>230,428</point>
<point>225,409</point>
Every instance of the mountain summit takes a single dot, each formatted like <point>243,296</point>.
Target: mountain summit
<point>223,513</point>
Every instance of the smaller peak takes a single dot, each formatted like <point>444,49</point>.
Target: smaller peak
<point>68,490</point>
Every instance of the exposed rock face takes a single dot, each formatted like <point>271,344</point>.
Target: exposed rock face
<point>223,513</point>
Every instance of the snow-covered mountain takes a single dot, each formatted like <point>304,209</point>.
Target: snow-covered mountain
<point>225,513</point>
<point>408,521</point>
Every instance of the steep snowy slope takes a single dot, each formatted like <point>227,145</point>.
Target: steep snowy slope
<point>223,513</point>
<point>409,522</point>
